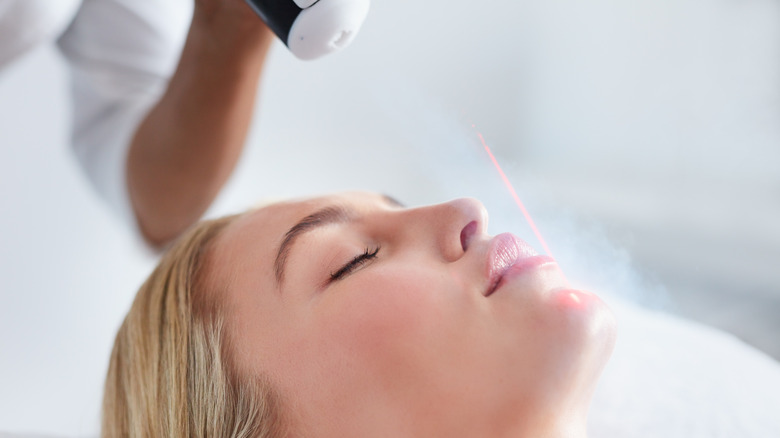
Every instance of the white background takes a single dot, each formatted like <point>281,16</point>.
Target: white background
<point>654,125</point>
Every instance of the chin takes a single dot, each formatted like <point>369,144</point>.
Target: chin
<point>583,330</point>
<point>591,323</point>
<point>587,325</point>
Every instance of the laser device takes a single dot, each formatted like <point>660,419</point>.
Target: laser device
<point>313,28</point>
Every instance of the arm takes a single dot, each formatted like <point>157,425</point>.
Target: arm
<point>188,144</point>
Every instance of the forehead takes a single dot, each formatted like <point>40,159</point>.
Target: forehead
<point>275,220</point>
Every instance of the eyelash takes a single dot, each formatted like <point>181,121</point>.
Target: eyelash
<point>355,263</point>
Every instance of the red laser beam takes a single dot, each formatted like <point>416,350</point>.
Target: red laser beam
<point>514,195</point>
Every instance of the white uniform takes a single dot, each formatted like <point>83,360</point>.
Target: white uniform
<point>120,53</point>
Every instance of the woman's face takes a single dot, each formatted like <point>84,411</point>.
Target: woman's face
<point>371,319</point>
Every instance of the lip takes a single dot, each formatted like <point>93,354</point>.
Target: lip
<point>509,256</point>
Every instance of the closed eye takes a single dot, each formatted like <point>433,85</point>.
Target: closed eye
<point>354,264</point>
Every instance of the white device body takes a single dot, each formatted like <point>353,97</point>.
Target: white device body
<point>326,27</point>
<point>313,28</point>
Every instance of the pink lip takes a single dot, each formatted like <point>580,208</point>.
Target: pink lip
<point>509,256</point>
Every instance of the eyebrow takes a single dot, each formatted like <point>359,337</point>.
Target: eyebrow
<point>332,214</point>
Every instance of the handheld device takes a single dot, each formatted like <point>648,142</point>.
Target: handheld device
<point>313,28</point>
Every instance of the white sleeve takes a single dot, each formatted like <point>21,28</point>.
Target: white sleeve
<point>121,55</point>
<point>25,24</point>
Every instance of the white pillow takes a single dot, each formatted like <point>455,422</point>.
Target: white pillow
<point>672,378</point>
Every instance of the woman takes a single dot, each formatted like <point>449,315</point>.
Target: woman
<point>351,316</point>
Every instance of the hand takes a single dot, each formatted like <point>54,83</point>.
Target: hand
<point>233,20</point>
<point>235,8</point>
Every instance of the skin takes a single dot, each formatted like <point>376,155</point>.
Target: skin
<point>408,344</point>
<point>189,143</point>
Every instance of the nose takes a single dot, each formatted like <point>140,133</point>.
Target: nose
<point>453,225</point>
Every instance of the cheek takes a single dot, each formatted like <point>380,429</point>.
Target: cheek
<point>361,340</point>
<point>388,307</point>
<point>394,325</point>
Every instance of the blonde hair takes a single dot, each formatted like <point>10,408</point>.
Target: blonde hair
<point>170,373</point>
